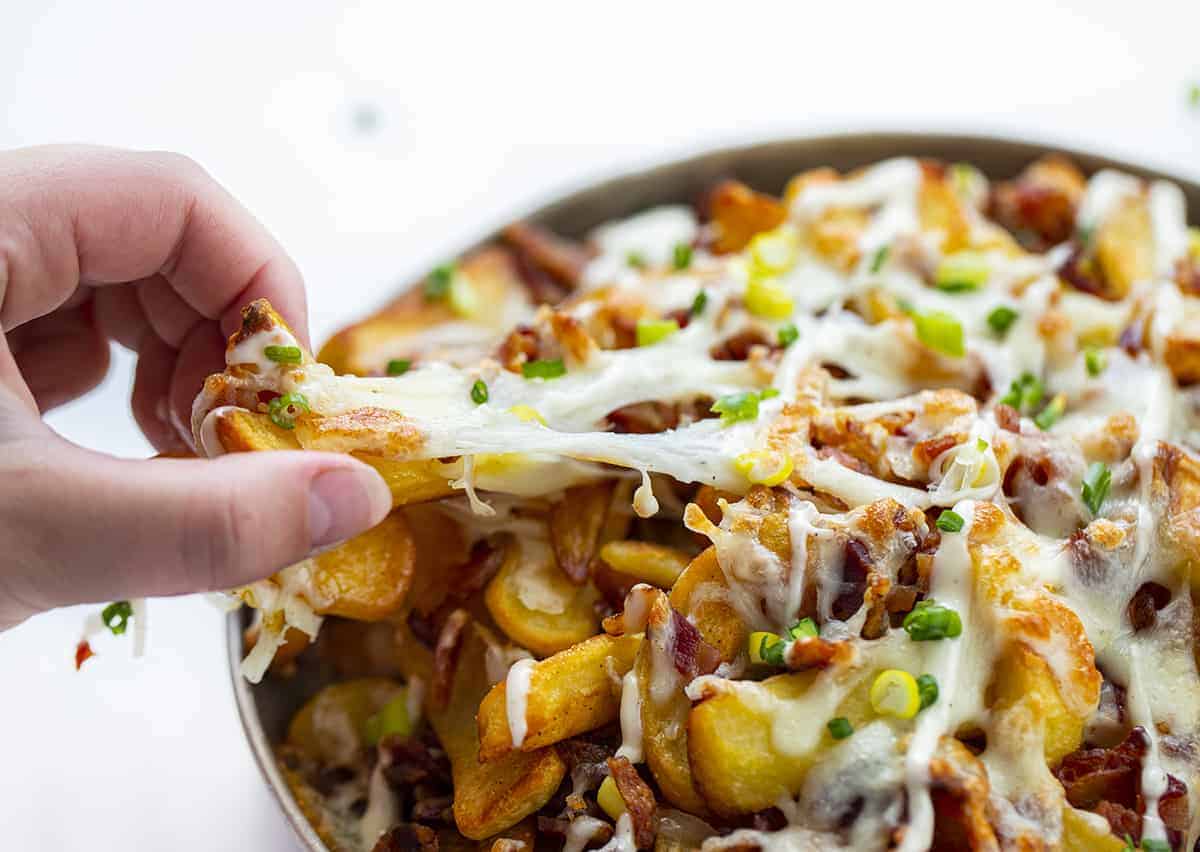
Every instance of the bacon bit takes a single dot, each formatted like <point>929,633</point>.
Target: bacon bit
<point>1082,272</point>
<point>691,655</point>
<point>738,347</point>
<point>481,566</point>
<point>855,568</point>
<point>1038,207</point>
<point>562,259</point>
<point>1008,418</point>
<point>83,653</point>
<point>639,800</point>
<point>410,760</point>
<point>1144,606</point>
<point>521,345</point>
<point>815,653</point>
<point>407,837</point>
<point>445,657</point>
<point>929,449</point>
<point>1132,339</point>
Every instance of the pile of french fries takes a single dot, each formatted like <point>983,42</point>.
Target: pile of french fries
<point>428,616</point>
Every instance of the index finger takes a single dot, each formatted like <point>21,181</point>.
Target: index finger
<point>71,214</point>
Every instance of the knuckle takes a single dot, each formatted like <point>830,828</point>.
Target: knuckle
<point>225,548</point>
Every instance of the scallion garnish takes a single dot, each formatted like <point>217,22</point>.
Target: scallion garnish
<point>283,354</point>
<point>699,303</point>
<point>1025,392</point>
<point>949,521</point>
<point>941,332</point>
<point>636,259</point>
<point>543,369</point>
<point>116,616</point>
<point>736,407</point>
<point>772,649</point>
<point>1096,361</point>
<point>651,331</point>
<point>479,392</point>
<point>1052,413</point>
<point>681,257</point>
<point>1096,483</point>
<point>805,627</point>
<point>961,272</point>
<point>839,728</point>
<point>788,334</point>
<point>1149,844</point>
<point>283,410</point>
<point>879,259</point>
<point>927,688</point>
<point>930,620</point>
<point>398,366</point>
<point>1001,319</point>
<point>437,283</point>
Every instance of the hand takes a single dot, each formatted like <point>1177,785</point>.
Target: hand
<point>147,250</point>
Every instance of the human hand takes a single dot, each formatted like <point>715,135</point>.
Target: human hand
<point>145,249</point>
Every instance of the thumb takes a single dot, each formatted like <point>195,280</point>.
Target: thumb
<point>87,527</point>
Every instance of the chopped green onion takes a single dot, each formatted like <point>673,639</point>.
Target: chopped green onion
<point>1150,845</point>
<point>116,616</point>
<point>636,259</point>
<point>930,620</point>
<point>1083,235</point>
<point>681,257</point>
<point>788,334</point>
<point>283,354</point>
<point>949,521</point>
<point>879,259</point>
<point>941,332</point>
<point>1025,392</point>
<point>927,688</point>
<point>771,650</point>
<point>769,393</point>
<point>736,407</point>
<point>964,177</point>
<point>398,366</point>
<point>804,627</point>
<point>1001,319</point>
<point>479,392</point>
<point>392,718</point>
<point>283,409</point>
<point>1194,94</point>
<point>1096,361</point>
<point>839,728</point>
<point>1052,413</point>
<point>1095,487</point>
<point>650,331</point>
<point>962,272</point>
<point>699,303</point>
<point>548,369</point>
<point>437,284</point>
<point>981,445</point>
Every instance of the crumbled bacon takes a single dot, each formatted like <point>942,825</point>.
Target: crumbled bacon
<point>483,563</point>
<point>445,657</point>
<point>690,653</point>
<point>1008,418</point>
<point>411,760</point>
<point>563,260</point>
<point>814,653</point>
<point>855,568</point>
<point>521,346</point>
<point>1082,272</point>
<point>648,418</point>
<point>1038,207</point>
<point>83,653</point>
<point>639,800</point>
<point>844,459</point>
<point>738,347</point>
<point>1144,606</point>
<point>434,809</point>
<point>1132,338</point>
<point>407,837</point>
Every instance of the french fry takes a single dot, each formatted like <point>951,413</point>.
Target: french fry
<point>645,562</point>
<point>575,526</point>
<point>1080,835</point>
<point>1125,247</point>
<point>735,764</point>
<point>940,209</point>
<point>570,693</point>
<point>698,594</point>
<point>367,577</point>
<point>537,605</point>
<point>1025,689</point>
<point>738,212</point>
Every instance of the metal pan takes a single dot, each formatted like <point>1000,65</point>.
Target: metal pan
<point>265,709</point>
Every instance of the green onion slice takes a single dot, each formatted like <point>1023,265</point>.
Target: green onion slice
<point>930,620</point>
<point>116,616</point>
<point>1000,319</point>
<point>805,627</point>
<point>699,303</point>
<point>437,283</point>
<point>636,259</point>
<point>283,354</point>
<point>949,521</point>
<point>839,728</point>
<point>651,331</point>
<point>788,334</point>
<point>1025,392</point>
<point>681,257</point>
<point>962,272</point>
<point>1096,361</point>
<point>398,366</point>
<point>283,410</point>
<point>479,392</point>
<point>546,369</point>
<point>941,332</point>
<point>927,688</point>
<point>1052,413</point>
<point>1096,484</point>
<point>879,258</point>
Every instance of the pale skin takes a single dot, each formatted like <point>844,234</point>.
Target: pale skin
<point>147,250</point>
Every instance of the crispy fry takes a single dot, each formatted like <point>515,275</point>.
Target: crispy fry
<point>367,578</point>
<point>738,212</point>
<point>645,562</point>
<point>537,605</point>
<point>569,693</point>
<point>575,525</point>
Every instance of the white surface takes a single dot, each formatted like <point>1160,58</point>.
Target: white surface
<point>480,113</point>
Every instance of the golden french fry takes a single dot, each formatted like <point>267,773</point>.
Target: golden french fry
<point>940,209</point>
<point>410,481</point>
<point>1079,835</point>
<point>575,526</point>
<point>569,693</point>
<point>698,594</point>
<point>1023,684</point>
<point>736,765</point>
<point>655,564</point>
<point>329,727</point>
<point>738,212</point>
<point>1125,247</point>
<point>367,577</point>
<point>537,605</point>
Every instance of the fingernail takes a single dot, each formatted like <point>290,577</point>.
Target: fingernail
<point>342,503</point>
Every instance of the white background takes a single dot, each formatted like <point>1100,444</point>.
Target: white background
<point>480,111</point>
